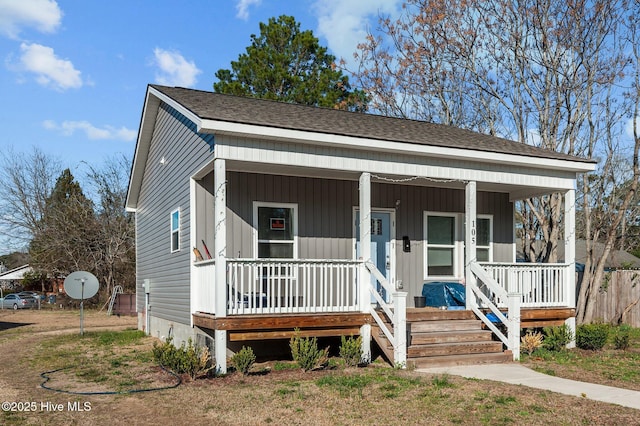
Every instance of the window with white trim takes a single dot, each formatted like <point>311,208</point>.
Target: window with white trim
<point>441,249</point>
<point>175,230</point>
<point>276,230</point>
<point>484,240</point>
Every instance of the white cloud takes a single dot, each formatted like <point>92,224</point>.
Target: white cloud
<point>174,69</point>
<point>43,15</point>
<point>68,128</point>
<point>344,24</point>
<point>243,8</point>
<point>628,128</point>
<point>50,70</point>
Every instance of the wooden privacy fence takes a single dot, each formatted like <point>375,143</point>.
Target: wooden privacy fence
<point>620,297</point>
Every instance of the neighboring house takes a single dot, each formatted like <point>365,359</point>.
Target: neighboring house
<point>12,279</point>
<point>250,218</point>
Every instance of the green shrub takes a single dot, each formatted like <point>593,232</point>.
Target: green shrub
<point>306,354</point>
<point>351,350</point>
<point>622,336</point>
<point>592,336</point>
<point>557,338</point>
<point>243,360</point>
<point>189,359</point>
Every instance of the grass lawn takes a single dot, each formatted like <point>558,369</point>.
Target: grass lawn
<point>278,392</point>
<point>609,366</point>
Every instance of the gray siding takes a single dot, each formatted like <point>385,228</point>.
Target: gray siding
<point>325,216</point>
<point>165,187</point>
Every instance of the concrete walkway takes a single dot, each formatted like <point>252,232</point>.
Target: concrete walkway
<point>519,375</point>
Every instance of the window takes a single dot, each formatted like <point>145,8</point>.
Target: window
<point>440,244</point>
<point>276,230</point>
<point>175,230</point>
<point>484,231</point>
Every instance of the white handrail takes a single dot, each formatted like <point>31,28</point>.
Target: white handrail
<point>511,320</point>
<point>396,311</point>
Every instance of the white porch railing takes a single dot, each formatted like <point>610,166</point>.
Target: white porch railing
<point>485,291</point>
<point>396,311</point>
<point>203,289</point>
<point>269,286</point>
<point>540,284</point>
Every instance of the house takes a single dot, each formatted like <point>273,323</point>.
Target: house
<point>12,279</point>
<point>256,217</point>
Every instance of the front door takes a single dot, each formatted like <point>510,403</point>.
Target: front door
<point>381,246</point>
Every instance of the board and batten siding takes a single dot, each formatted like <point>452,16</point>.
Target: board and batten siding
<point>165,187</point>
<point>326,222</point>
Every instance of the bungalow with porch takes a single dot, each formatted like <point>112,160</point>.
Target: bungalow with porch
<point>255,218</point>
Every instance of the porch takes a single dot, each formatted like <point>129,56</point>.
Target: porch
<point>270,299</point>
<point>384,250</point>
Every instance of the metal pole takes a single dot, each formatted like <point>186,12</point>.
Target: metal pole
<point>82,309</point>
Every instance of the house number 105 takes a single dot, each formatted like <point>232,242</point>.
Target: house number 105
<point>473,232</point>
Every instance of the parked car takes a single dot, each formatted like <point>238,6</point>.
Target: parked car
<point>15,301</point>
<point>33,294</point>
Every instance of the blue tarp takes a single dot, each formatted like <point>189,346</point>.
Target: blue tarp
<point>444,294</point>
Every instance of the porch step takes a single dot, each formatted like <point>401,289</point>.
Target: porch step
<point>445,338</point>
<point>433,314</point>
<point>448,337</point>
<point>453,348</point>
<point>445,325</point>
<point>451,360</point>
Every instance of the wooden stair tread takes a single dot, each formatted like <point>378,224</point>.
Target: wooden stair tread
<point>446,325</point>
<point>457,348</point>
<point>446,336</point>
<point>469,359</point>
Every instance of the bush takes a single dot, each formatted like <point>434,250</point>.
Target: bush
<point>592,336</point>
<point>622,337</point>
<point>351,350</point>
<point>306,354</point>
<point>243,360</point>
<point>557,338</point>
<point>189,359</point>
<point>531,342</point>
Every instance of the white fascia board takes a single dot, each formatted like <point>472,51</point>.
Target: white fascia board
<point>250,130</point>
<point>143,141</point>
<point>178,107</point>
<point>145,133</point>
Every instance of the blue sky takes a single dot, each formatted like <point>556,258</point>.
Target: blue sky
<point>74,72</point>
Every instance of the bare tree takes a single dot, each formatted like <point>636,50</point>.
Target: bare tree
<point>605,218</point>
<point>542,72</point>
<point>116,227</point>
<point>27,181</point>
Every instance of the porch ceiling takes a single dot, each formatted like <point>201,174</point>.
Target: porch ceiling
<point>516,192</point>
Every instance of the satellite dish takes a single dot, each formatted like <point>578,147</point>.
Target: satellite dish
<point>81,285</point>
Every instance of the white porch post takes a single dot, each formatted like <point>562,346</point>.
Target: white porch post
<point>220,256</point>
<point>365,254</point>
<point>400,328</point>
<point>570,256</point>
<point>365,239</point>
<point>470,213</point>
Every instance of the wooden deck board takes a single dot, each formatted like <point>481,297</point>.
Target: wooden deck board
<point>281,321</point>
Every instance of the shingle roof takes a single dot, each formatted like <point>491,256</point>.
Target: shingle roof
<point>235,109</point>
